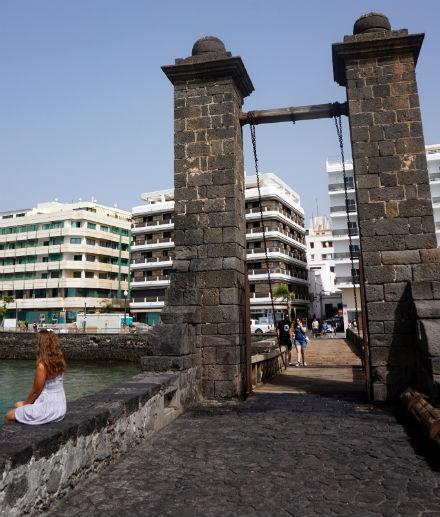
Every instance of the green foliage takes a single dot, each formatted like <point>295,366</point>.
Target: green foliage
<point>282,292</point>
<point>4,300</point>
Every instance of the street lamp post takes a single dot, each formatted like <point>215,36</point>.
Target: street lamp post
<point>125,308</point>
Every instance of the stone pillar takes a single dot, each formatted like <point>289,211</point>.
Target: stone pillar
<point>207,281</point>
<point>397,233</point>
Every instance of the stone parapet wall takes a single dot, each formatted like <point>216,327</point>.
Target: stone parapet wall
<point>118,347</point>
<point>267,364</point>
<point>40,464</point>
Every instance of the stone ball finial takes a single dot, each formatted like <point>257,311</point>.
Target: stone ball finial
<point>208,44</point>
<point>371,22</point>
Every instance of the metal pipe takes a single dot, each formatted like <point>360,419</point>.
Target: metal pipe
<point>294,113</point>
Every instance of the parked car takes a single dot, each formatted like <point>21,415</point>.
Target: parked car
<point>261,327</point>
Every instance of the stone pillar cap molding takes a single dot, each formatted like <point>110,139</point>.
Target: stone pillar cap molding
<point>371,22</point>
<point>374,44</point>
<point>210,59</point>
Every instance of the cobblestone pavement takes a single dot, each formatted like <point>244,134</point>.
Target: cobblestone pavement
<point>274,455</point>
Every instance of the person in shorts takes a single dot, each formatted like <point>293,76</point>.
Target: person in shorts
<point>284,328</point>
<point>301,341</point>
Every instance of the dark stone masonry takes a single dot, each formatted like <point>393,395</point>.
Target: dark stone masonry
<point>206,294</point>
<point>397,233</point>
<point>274,455</point>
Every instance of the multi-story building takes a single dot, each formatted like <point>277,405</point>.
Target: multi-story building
<point>283,216</point>
<point>324,295</point>
<point>342,227</point>
<point>59,258</point>
<point>320,251</point>
<point>433,158</point>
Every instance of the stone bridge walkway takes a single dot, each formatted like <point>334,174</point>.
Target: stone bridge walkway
<point>280,453</point>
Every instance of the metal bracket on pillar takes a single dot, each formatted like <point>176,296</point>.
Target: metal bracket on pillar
<point>294,113</point>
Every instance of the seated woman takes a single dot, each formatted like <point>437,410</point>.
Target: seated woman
<point>46,401</point>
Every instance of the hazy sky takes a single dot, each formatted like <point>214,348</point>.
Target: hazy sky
<point>85,109</point>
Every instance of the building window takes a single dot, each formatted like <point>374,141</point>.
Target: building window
<point>104,228</point>
<point>91,226</point>
<point>76,224</point>
<point>332,269</point>
<point>90,258</point>
<point>91,242</point>
<point>77,274</point>
<point>75,240</point>
<point>312,257</point>
<point>77,257</point>
<point>90,274</point>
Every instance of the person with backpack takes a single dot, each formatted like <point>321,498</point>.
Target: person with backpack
<point>284,328</point>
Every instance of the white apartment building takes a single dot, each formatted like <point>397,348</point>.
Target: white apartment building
<point>283,216</point>
<point>320,251</point>
<point>433,158</point>
<point>342,227</point>
<point>58,258</point>
<point>321,266</point>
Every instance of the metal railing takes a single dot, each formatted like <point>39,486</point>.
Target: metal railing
<point>276,271</point>
<point>275,250</point>
<point>155,278</point>
<point>276,229</point>
<point>149,224</point>
<point>152,260</point>
<point>148,299</point>
<point>274,208</point>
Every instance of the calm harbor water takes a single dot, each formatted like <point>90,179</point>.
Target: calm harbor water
<point>81,378</point>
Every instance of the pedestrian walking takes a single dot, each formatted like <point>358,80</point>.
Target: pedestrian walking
<point>301,342</point>
<point>315,328</point>
<point>284,328</point>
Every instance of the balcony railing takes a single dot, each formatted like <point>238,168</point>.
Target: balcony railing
<point>252,251</point>
<point>155,278</point>
<point>274,229</point>
<point>436,199</point>
<point>152,260</point>
<point>341,256</point>
<point>148,299</point>
<point>346,231</point>
<point>148,242</point>
<point>274,271</point>
<point>142,224</point>
<point>343,208</point>
<point>346,280</point>
<point>434,176</point>
<point>275,208</point>
<point>340,186</point>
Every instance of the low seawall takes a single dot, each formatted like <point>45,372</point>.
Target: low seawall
<point>118,347</point>
<point>40,464</point>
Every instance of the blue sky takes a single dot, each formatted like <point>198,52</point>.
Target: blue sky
<point>85,109</point>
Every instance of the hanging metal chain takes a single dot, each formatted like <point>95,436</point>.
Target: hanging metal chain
<point>338,124</point>
<point>257,172</point>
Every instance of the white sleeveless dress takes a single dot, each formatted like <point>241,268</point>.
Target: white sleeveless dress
<point>50,406</point>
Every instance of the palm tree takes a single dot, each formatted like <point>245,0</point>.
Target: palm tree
<point>282,291</point>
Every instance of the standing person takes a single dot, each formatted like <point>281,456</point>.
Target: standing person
<point>315,327</point>
<point>300,342</point>
<point>46,401</point>
<point>284,328</point>
<point>35,326</point>
<point>26,326</point>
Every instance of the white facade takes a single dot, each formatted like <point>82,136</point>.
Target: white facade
<point>433,158</point>
<point>284,221</point>
<point>340,225</point>
<point>320,252</point>
<point>57,258</point>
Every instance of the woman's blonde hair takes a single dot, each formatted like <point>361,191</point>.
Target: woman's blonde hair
<point>50,354</point>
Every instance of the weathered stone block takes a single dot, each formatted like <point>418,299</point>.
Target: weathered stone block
<point>421,290</point>
<point>386,274</point>
<point>423,272</point>
<point>397,291</point>
<point>427,309</point>
<point>401,257</point>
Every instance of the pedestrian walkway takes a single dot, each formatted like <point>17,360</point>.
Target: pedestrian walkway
<point>278,453</point>
<point>333,368</point>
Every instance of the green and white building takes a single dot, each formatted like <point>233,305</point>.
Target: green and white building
<point>58,258</point>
